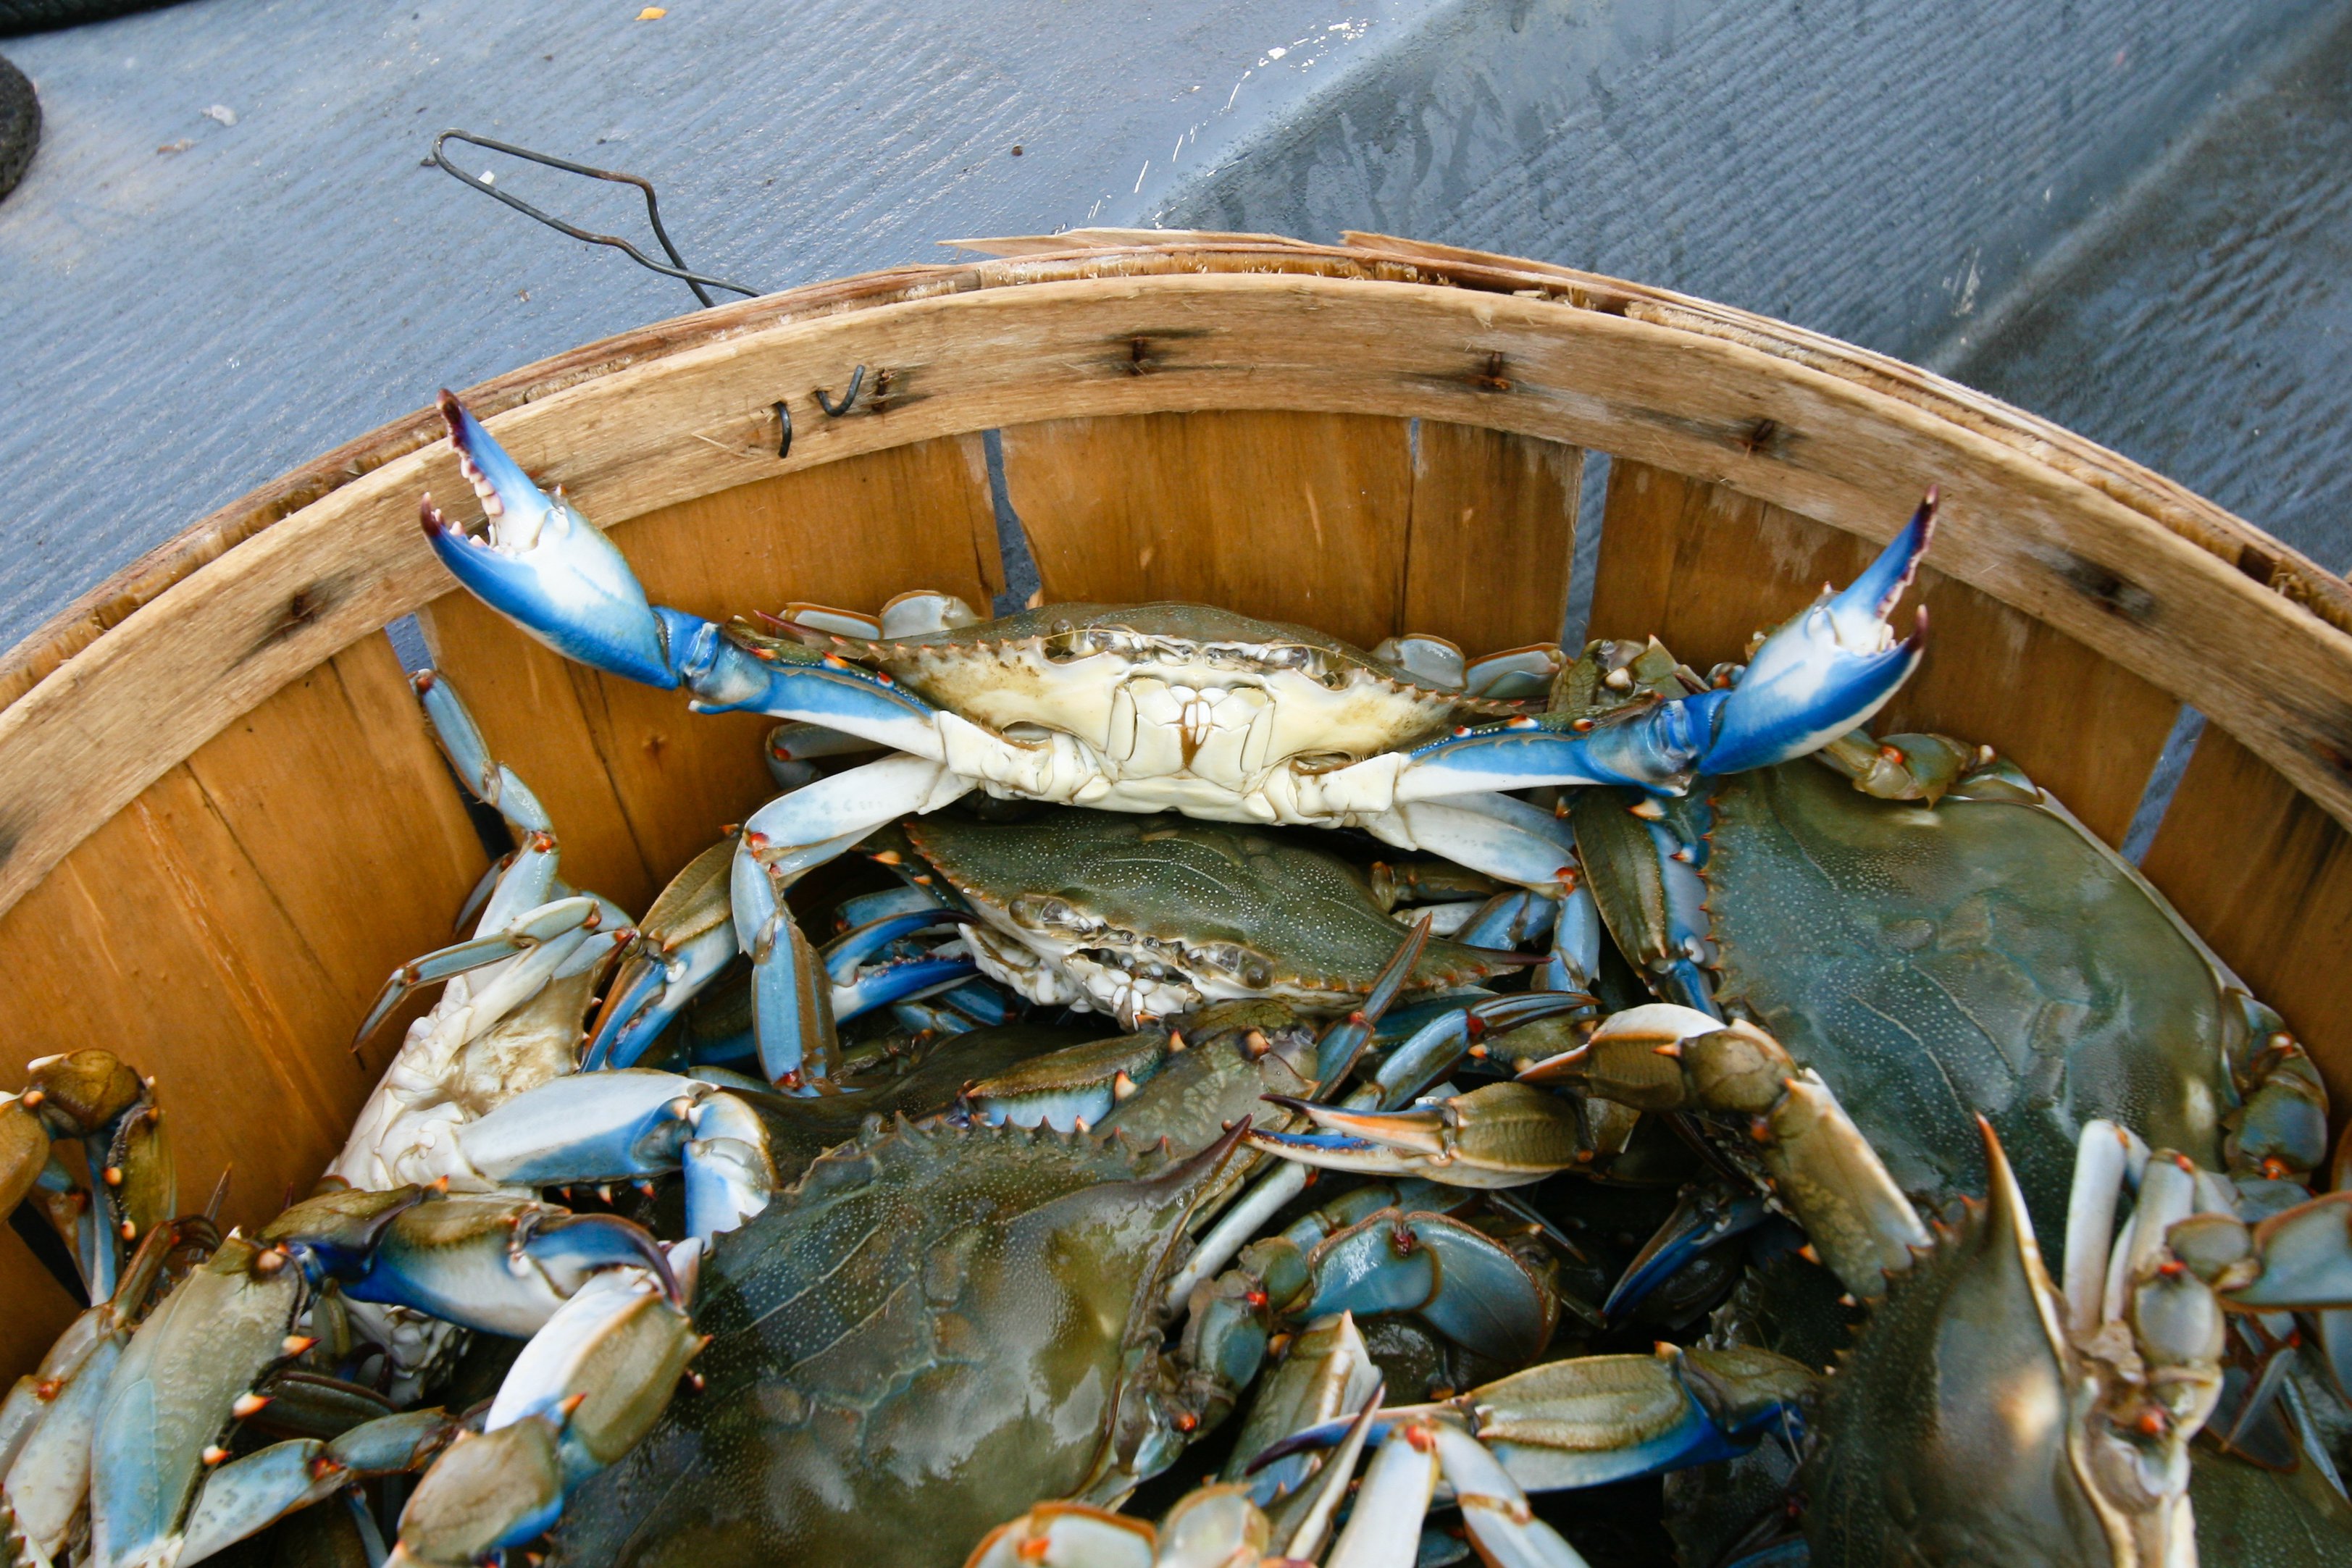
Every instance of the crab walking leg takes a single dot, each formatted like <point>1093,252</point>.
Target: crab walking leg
<point>1385,1529</point>
<point>538,934</point>
<point>583,1393</point>
<point>1507,1532</point>
<point>783,840</point>
<point>246,1496</point>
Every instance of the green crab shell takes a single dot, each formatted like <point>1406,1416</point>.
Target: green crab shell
<point>933,1328</point>
<point>1239,911</point>
<point>1099,671</point>
<point>1956,1429</point>
<point>1981,956</point>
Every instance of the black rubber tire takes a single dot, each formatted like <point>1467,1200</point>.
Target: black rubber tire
<point>41,15</point>
<point>20,126</point>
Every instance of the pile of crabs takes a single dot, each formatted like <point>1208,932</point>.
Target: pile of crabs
<point>1260,1102</point>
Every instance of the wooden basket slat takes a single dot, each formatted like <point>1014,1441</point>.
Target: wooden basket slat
<point>1702,567</point>
<point>1493,536</point>
<point>636,784</point>
<point>228,930</point>
<point>2265,876</point>
<point>1288,516</point>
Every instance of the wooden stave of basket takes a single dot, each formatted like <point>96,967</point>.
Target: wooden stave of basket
<point>224,823</point>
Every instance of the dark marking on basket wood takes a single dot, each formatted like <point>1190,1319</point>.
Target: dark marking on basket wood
<point>299,612</point>
<point>890,392</point>
<point>2258,563</point>
<point>1145,352</point>
<point>1490,379</point>
<point>2110,590</point>
<point>1763,437</point>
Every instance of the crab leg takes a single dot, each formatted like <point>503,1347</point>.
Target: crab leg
<point>246,1496</point>
<point>688,938</point>
<point>1818,676</point>
<point>491,783</point>
<point>541,931</point>
<point>1704,1218</point>
<point>782,842</point>
<point>91,1096</point>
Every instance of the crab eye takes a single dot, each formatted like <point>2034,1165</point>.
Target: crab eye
<point>1040,913</point>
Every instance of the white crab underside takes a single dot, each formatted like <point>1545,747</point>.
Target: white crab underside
<point>1202,736</point>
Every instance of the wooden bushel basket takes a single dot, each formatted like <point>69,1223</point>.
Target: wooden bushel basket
<point>222,821</point>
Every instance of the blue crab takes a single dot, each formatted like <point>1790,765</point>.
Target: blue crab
<point>943,1312</point>
<point>1989,1410</point>
<point>1143,708</point>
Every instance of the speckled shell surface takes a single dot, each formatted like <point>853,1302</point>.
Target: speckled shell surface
<point>1981,956</point>
<point>929,1333</point>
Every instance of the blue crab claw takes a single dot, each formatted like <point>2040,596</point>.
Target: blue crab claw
<point>1504,1135</point>
<point>1602,1418</point>
<point>545,567</point>
<point>1829,669</point>
<point>1704,1218</point>
<point>1453,1277</point>
<point>1812,680</point>
<point>583,1392</point>
<point>503,1265</point>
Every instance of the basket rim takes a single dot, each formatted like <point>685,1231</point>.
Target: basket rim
<point>1091,253</point>
<point>80,674</point>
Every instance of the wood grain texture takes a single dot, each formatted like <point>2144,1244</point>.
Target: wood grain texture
<point>1288,516</point>
<point>2038,537</point>
<point>2265,876</point>
<point>1494,531</point>
<point>226,931</point>
<point>636,784</point>
<point>1702,568</point>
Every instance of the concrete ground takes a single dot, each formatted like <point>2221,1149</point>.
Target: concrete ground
<point>2126,214</point>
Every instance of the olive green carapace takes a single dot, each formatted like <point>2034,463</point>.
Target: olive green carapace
<point>1979,956</point>
<point>934,1330</point>
<point>1945,1435</point>
<point>1306,914</point>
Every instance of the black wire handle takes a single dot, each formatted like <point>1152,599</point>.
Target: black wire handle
<point>678,267</point>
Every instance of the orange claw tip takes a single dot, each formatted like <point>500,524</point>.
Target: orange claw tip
<point>296,1344</point>
<point>1810,1253</point>
<point>1422,1438</point>
<point>248,1404</point>
<point>214,1454</point>
<point>113,1175</point>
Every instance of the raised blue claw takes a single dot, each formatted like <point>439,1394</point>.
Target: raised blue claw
<point>1828,669</point>
<point>545,567</point>
<point>1814,678</point>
